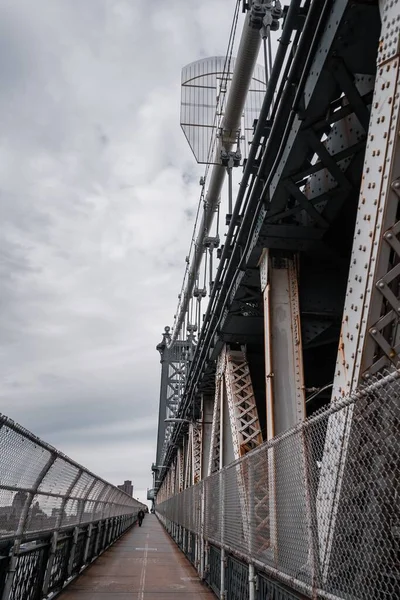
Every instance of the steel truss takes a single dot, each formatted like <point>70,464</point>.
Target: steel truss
<point>196,441</point>
<point>245,426</point>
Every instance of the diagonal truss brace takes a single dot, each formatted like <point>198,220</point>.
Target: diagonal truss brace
<point>196,438</point>
<point>245,425</point>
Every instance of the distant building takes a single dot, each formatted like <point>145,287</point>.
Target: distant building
<point>126,487</point>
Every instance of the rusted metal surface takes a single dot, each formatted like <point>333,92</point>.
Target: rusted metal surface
<point>144,565</point>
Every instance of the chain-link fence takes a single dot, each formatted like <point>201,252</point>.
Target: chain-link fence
<point>55,516</point>
<point>317,508</point>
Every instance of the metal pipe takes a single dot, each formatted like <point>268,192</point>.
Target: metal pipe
<point>290,24</point>
<point>241,79</point>
<point>252,581</point>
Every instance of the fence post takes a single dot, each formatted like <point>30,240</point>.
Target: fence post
<point>88,540</point>
<point>201,534</point>
<point>54,540</point>
<point>310,507</point>
<point>252,583</point>
<point>223,559</point>
<point>252,524</point>
<point>22,524</point>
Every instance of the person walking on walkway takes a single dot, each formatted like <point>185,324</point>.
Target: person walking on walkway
<point>140,517</point>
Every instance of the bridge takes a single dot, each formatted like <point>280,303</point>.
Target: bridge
<point>277,472</point>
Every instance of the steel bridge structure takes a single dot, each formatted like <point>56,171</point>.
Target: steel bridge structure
<point>278,457</point>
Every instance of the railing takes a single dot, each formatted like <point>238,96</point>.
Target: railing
<point>55,516</point>
<point>337,536</point>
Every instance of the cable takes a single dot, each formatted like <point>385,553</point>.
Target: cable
<point>326,387</point>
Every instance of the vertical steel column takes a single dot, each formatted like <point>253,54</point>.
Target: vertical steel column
<point>285,394</point>
<point>283,346</point>
<point>164,355</point>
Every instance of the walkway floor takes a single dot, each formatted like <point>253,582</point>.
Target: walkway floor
<point>145,564</point>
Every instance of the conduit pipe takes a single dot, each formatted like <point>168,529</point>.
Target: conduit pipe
<point>244,67</point>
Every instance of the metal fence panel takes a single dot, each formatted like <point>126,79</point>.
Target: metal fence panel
<point>41,489</point>
<point>59,568</point>
<point>271,590</point>
<point>215,569</point>
<point>271,507</point>
<point>30,567</point>
<point>237,580</point>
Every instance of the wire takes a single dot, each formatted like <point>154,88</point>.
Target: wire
<point>326,387</point>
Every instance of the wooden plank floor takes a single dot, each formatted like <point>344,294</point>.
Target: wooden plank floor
<point>144,564</point>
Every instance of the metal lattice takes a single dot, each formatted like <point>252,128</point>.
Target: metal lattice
<point>29,574</point>
<point>59,568</point>
<point>195,432</point>
<point>246,430</point>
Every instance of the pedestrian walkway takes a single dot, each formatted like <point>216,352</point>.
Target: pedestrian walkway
<point>145,564</point>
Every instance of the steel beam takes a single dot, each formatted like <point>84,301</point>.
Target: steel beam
<point>369,336</point>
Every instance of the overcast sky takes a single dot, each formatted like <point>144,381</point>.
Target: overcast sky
<point>97,195</point>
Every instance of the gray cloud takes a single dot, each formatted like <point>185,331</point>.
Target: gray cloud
<point>98,190</point>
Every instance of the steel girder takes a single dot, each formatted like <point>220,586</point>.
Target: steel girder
<point>369,337</point>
